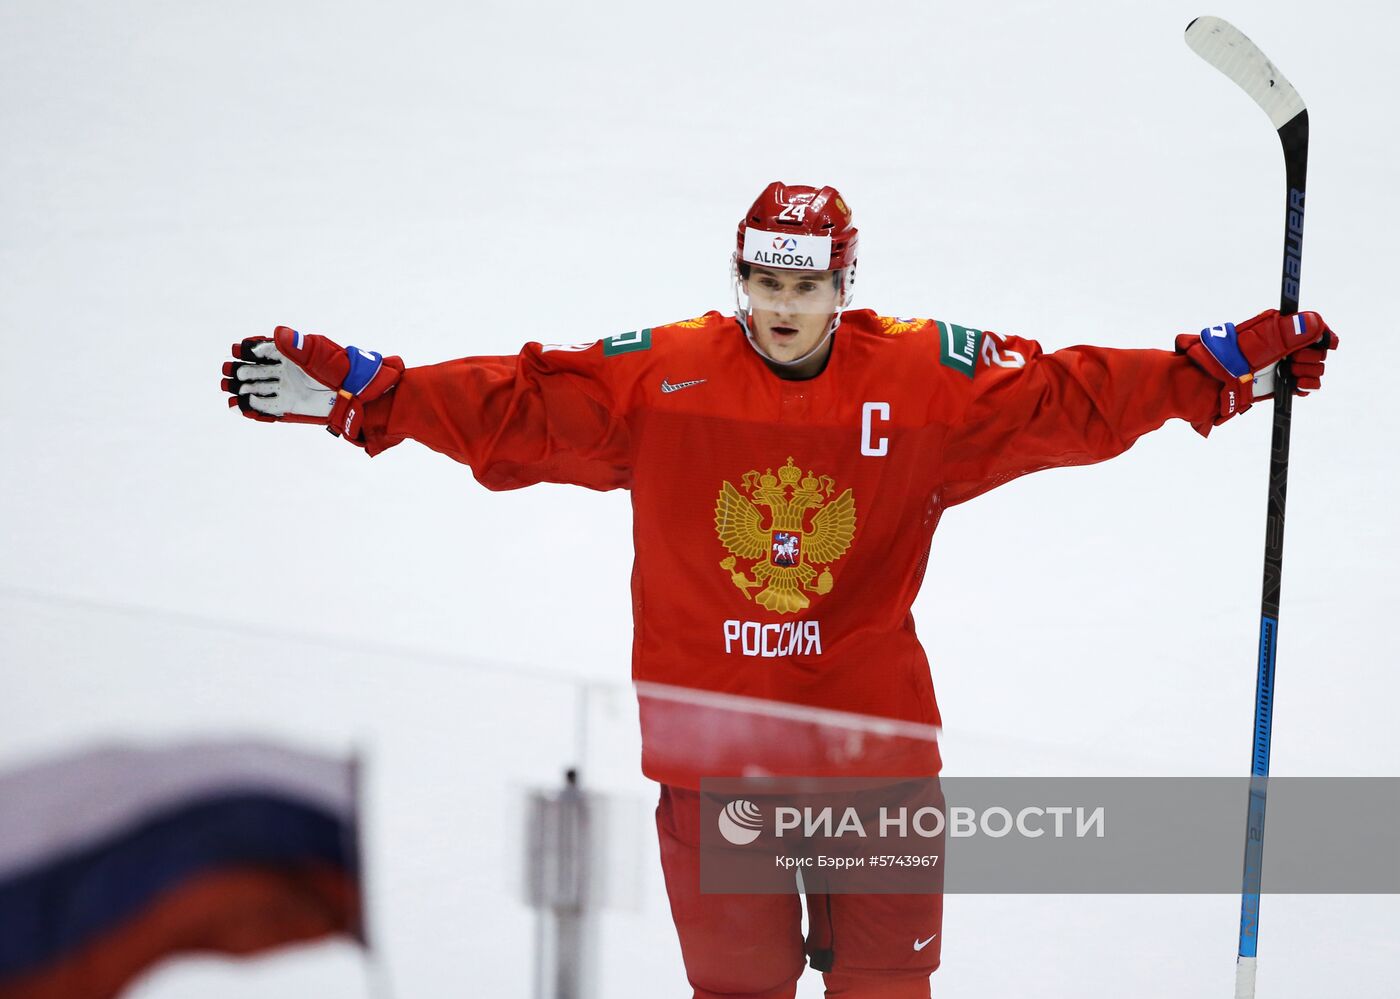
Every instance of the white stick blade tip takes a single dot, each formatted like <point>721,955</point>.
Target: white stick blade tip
<point>1229,50</point>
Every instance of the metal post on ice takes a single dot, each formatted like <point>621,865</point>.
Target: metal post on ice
<point>559,852</point>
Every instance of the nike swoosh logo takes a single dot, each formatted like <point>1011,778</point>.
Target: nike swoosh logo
<point>668,387</point>
<point>921,944</point>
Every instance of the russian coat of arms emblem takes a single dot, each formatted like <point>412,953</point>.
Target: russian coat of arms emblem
<point>792,530</point>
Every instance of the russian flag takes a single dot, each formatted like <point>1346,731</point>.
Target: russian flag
<point>115,858</point>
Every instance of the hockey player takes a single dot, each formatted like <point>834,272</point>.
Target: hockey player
<point>788,465</point>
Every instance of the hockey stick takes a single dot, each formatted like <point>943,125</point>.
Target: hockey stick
<point>1228,50</point>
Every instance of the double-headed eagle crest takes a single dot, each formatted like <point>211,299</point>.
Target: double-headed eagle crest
<point>898,327</point>
<point>804,530</point>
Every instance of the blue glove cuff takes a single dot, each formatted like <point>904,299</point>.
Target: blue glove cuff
<point>1224,345</point>
<point>365,364</point>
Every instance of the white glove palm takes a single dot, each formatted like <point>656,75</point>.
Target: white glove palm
<point>268,383</point>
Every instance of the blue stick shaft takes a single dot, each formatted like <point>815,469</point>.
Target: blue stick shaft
<point>1258,790</point>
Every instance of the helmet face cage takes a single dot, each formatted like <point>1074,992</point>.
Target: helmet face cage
<point>745,300</point>
<point>743,310</point>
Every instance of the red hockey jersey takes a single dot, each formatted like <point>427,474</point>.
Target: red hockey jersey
<point>782,527</point>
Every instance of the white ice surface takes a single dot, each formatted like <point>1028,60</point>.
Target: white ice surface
<point>437,179</point>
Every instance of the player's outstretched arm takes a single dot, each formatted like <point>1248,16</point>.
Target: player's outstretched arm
<point>1080,405</point>
<point>293,377</point>
<point>548,414</point>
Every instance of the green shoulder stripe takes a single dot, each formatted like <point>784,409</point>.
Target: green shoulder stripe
<point>959,346</point>
<point>625,343</point>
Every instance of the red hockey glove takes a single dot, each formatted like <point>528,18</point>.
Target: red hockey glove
<point>303,378</point>
<point>1243,357</point>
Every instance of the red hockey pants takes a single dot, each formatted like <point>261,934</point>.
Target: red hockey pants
<point>751,946</point>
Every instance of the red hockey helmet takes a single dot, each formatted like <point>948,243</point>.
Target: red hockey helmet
<point>794,227</point>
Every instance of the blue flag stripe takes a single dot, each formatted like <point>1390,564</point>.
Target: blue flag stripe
<point>55,908</point>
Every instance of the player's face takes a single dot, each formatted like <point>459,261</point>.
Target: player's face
<point>790,312</point>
